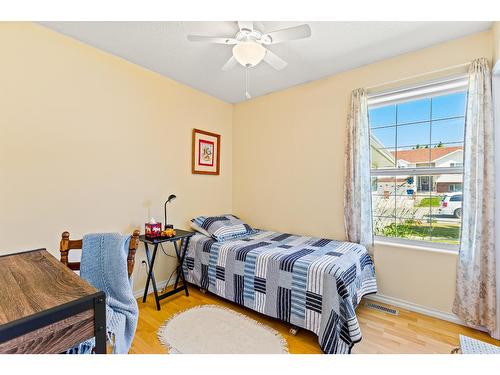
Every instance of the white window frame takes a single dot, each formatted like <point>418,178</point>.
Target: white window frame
<point>431,89</point>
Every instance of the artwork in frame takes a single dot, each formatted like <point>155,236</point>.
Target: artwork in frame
<point>205,153</point>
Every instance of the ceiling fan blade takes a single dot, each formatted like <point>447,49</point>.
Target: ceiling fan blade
<point>245,25</point>
<point>211,39</point>
<point>283,35</point>
<point>230,64</point>
<point>274,60</point>
<point>259,26</point>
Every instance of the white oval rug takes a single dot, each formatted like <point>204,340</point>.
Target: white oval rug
<point>211,329</point>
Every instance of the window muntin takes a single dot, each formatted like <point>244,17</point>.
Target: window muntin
<point>417,158</point>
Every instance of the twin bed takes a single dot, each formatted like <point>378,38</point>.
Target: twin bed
<point>312,283</point>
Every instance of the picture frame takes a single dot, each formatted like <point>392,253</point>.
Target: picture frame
<point>205,153</point>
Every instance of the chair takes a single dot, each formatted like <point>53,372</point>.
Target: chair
<point>66,245</point>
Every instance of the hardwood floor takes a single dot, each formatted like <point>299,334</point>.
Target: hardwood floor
<point>408,332</point>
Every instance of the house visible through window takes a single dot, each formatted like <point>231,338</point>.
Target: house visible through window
<point>455,187</point>
<point>417,140</point>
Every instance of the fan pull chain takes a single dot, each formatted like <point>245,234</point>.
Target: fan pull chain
<point>247,83</point>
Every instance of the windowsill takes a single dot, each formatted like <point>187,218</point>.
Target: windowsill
<point>416,245</point>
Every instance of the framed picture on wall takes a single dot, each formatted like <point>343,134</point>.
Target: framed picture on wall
<point>206,152</point>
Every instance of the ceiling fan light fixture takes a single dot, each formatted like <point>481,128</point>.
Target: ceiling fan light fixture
<point>248,53</point>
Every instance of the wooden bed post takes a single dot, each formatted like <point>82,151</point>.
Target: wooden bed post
<point>64,248</point>
<point>134,244</point>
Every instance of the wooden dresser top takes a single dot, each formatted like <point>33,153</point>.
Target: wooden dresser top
<point>34,281</point>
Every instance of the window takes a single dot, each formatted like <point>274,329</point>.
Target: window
<point>455,187</point>
<point>416,142</point>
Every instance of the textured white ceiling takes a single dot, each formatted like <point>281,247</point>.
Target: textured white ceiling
<point>332,48</point>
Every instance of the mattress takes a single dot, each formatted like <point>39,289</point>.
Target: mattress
<point>312,283</point>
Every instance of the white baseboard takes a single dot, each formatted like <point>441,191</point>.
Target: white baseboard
<point>449,317</point>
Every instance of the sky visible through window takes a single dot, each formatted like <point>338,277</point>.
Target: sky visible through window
<point>447,122</point>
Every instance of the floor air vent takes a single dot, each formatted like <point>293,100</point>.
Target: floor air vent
<point>387,310</point>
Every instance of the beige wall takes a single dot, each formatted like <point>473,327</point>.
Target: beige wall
<point>90,142</point>
<point>289,163</point>
<point>496,41</point>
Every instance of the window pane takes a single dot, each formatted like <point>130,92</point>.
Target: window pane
<point>414,229</point>
<point>425,184</point>
<point>413,156</point>
<point>418,206</point>
<point>448,154</point>
<point>385,137</point>
<point>450,105</point>
<point>382,116</point>
<point>449,183</point>
<point>445,229</point>
<point>385,186</point>
<point>416,110</point>
<point>414,134</point>
<point>382,158</point>
<point>405,185</point>
<point>383,206</point>
<point>406,208</point>
<point>428,201</point>
<point>384,226</point>
<point>447,131</point>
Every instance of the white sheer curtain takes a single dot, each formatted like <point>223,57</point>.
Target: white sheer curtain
<point>496,112</point>
<point>475,299</point>
<point>357,185</point>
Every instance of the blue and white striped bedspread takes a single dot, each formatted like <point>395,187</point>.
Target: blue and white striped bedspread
<point>312,283</point>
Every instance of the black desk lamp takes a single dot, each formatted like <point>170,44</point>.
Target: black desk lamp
<point>171,197</point>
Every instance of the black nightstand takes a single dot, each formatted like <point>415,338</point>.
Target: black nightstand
<point>181,236</point>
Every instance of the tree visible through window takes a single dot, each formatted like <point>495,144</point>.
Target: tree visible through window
<point>417,165</point>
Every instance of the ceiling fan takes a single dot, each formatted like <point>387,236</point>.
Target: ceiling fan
<point>249,45</point>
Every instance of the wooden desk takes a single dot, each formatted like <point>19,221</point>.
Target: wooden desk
<point>45,307</point>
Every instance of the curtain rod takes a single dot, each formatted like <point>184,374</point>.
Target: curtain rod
<point>380,85</point>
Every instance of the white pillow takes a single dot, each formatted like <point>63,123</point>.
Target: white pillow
<point>199,229</point>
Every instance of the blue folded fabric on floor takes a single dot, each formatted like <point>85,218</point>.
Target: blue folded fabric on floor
<point>104,266</point>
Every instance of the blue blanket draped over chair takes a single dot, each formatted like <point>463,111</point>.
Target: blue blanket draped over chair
<point>104,265</point>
